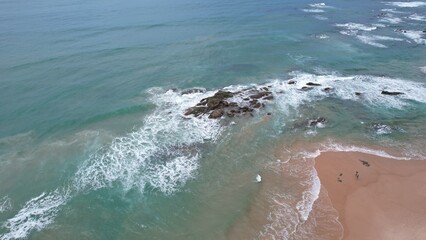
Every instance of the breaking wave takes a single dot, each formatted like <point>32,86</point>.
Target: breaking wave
<point>164,153</point>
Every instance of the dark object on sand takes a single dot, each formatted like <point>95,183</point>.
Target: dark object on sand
<point>365,163</point>
<point>339,180</point>
<point>357,175</point>
<point>391,93</point>
<point>341,174</point>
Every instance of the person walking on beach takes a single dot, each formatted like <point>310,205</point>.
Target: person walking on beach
<point>357,175</point>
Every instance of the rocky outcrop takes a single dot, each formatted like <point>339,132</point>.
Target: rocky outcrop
<point>391,93</point>
<point>312,84</point>
<point>219,104</point>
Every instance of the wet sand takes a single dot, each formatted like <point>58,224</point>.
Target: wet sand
<point>387,201</point>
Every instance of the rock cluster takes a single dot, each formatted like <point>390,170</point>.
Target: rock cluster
<point>221,104</point>
<point>391,93</point>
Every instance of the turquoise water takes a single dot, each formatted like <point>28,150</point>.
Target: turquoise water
<point>94,144</point>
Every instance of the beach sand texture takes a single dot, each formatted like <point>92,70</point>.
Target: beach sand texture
<point>387,201</point>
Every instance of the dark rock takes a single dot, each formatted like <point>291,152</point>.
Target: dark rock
<point>314,122</point>
<point>313,84</point>
<point>270,97</point>
<point>196,111</point>
<point>213,102</point>
<point>260,95</point>
<point>327,89</point>
<point>193,90</point>
<point>391,93</point>
<point>265,89</point>
<point>269,114</point>
<point>217,113</point>
<point>291,82</point>
<point>233,104</point>
<point>358,93</point>
<point>253,102</point>
<point>246,109</point>
<point>304,88</point>
<point>246,99</point>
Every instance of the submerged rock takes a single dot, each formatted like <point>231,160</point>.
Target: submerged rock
<point>193,90</point>
<point>391,93</point>
<point>291,82</point>
<point>312,84</point>
<point>358,93</point>
<point>305,88</point>
<point>317,122</point>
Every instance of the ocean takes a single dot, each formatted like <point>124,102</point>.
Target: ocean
<point>95,142</point>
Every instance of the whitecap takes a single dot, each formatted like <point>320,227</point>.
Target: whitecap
<point>313,10</point>
<point>373,40</point>
<point>352,29</point>
<point>407,4</point>
<point>5,204</point>
<point>391,10</point>
<point>36,214</point>
<point>417,17</point>
<point>320,5</point>
<point>345,87</point>
<point>389,18</point>
<point>382,129</point>
<point>416,36</point>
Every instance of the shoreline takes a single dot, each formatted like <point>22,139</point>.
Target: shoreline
<point>385,201</point>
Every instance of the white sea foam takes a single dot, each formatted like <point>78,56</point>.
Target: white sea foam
<point>357,26</point>
<point>289,96</point>
<point>283,219</point>
<point>391,10</point>
<point>353,28</point>
<point>313,10</point>
<point>416,36</point>
<point>320,5</point>
<point>36,214</point>
<point>373,40</point>
<point>389,18</point>
<point>417,17</point>
<point>162,153</point>
<point>407,4</point>
<point>5,204</point>
<point>320,17</point>
<point>423,69</point>
<point>309,196</point>
<point>350,148</point>
<point>382,129</point>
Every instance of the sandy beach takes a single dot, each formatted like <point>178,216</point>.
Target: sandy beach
<point>386,200</point>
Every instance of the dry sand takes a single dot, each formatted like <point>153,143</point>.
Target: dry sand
<point>388,201</point>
